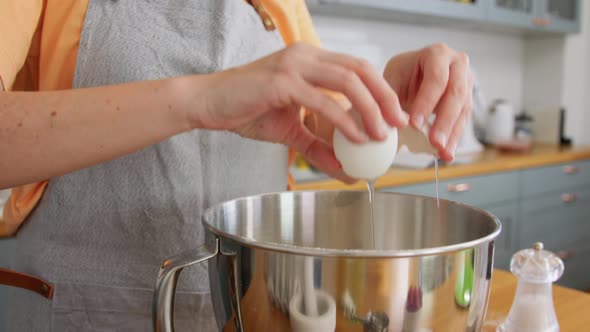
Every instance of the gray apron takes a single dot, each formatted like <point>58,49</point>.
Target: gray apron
<point>100,234</point>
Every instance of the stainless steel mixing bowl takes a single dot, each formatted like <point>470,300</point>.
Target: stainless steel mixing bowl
<point>307,261</point>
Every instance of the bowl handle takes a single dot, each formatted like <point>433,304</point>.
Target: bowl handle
<point>163,304</point>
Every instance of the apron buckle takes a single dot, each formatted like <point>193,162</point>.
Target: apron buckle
<point>267,21</point>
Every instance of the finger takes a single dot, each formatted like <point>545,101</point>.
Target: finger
<point>314,100</point>
<point>450,106</point>
<point>318,153</point>
<point>347,82</point>
<point>382,92</point>
<point>435,73</point>
<point>448,154</point>
<point>344,178</point>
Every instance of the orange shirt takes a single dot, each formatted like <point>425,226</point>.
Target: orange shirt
<point>38,50</point>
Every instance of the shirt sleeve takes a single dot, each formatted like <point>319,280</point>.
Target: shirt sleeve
<point>18,22</point>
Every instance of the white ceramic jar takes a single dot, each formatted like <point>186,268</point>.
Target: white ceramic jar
<point>500,122</point>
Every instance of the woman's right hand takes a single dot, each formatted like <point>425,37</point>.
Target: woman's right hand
<point>262,100</point>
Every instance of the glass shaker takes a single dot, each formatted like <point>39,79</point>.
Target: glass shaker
<point>532,309</point>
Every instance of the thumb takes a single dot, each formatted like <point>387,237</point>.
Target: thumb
<point>317,152</point>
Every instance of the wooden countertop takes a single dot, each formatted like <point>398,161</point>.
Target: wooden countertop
<point>571,306</point>
<point>486,162</point>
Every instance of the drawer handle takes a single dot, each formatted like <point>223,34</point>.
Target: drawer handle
<point>569,169</point>
<point>565,254</point>
<point>569,197</point>
<point>459,187</point>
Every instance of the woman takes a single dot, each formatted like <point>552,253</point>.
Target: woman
<point>175,106</point>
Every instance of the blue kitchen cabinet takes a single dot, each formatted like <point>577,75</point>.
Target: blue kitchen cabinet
<point>539,16</point>
<point>577,267</point>
<point>557,219</point>
<point>504,246</point>
<point>480,191</point>
<point>543,180</point>
<point>497,193</point>
<point>519,13</point>
<point>550,204</point>
<point>423,189</point>
<point>440,8</point>
<point>560,220</point>
<point>561,15</point>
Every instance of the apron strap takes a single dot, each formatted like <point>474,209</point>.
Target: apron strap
<point>267,21</point>
<point>26,281</point>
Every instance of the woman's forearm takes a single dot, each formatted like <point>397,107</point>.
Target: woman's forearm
<point>46,134</point>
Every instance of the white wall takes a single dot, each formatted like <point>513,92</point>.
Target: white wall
<point>557,74</point>
<point>576,83</point>
<point>543,74</point>
<point>496,58</point>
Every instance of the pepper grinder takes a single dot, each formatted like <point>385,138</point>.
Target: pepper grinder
<point>532,309</point>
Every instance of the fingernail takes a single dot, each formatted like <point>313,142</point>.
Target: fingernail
<point>418,121</point>
<point>440,138</point>
<point>451,148</point>
<point>404,117</point>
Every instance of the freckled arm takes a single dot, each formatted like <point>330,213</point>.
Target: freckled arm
<point>46,134</point>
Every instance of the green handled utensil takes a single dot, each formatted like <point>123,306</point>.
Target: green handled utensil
<point>464,283</point>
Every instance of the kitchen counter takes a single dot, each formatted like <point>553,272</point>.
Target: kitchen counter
<point>572,307</point>
<point>486,162</point>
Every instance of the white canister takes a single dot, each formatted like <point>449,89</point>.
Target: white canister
<point>500,123</point>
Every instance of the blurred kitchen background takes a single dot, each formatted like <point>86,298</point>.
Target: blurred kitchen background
<point>526,154</point>
<point>533,54</point>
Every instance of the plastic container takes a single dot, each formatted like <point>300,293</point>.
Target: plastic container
<point>532,309</point>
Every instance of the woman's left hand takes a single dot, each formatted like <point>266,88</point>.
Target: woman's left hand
<point>435,79</point>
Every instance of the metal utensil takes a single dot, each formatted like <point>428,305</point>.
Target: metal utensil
<point>244,237</point>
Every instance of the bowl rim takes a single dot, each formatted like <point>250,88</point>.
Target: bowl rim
<point>357,253</point>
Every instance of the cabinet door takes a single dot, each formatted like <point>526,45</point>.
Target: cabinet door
<point>561,15</point>
<point>543,180</point>
<point>504,246</point>
<point>473,10</point>
<point>480,191</point>
<point>576,273</point>
<point>519,13</point>
<point>557,219</point>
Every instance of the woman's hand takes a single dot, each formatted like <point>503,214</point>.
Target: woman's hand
<point>436,80</point>
<point>83,127</point>
<point>262,101</point>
